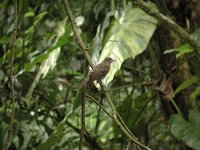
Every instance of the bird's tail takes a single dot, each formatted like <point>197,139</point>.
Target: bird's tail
<point>83,83</point>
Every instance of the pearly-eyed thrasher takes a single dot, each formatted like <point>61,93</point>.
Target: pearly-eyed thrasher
<point>97,73</point>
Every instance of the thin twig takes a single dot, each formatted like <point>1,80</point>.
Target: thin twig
<point>84,49</point>
<point>98,116</point>
<point>94,100</point>
<point>12,82</point>
<point>83,102</point>
<point>123,123</point>
<point>91,140</point>
<point>146,83</point>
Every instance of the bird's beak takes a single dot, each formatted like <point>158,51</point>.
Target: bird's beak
<point>113,60</point>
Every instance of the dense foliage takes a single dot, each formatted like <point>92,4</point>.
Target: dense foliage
<point>154,82</point>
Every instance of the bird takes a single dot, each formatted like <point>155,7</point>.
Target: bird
<point>97,73</point>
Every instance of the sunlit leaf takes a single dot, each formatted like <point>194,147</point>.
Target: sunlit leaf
<point>127,37</point>
<point>51,56</point>
<point>29,66</point>
<point>187,131</point>
<point>79,20</point>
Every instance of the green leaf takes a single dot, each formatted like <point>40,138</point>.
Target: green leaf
<point>195,93</point>
<point>37,19</point>
<point>196,34</point>
<point>62,40</point>
<point>40,58</point>
<point>183,49</point>
<point>187,131</point>
<point>5,39</point>
<point>185,85</point>
<point>127,37</point>
<point>55,137</point>
<point>30,14</point>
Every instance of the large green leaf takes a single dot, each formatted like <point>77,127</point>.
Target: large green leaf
<point>187,131</point>
<point>127,37</point>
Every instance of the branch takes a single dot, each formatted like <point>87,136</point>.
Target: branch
<point>123,128</point>
<point>76,33</point>
<point>91,140</point>
<point>120,124</point>
<point>82,133</point>
<point>12,82</point>
<point>94,100</point>
<point>168,22</point>
<point>84,49</point>
<point>98,116</point>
